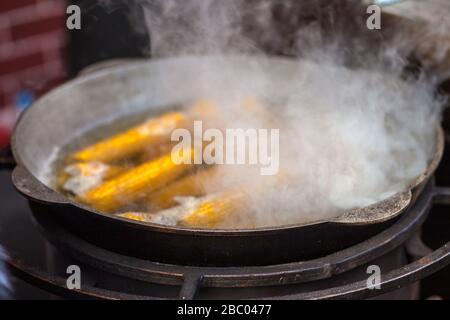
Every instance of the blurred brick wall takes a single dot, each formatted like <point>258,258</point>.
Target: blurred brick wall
<point>32,44</point>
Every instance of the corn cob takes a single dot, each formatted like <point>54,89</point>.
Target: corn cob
<point>191,185</point>
<point>80,177</point>
<point>213,211</point>
<point>130,142</point>
<point>219,209</point>
<point>136,183</point>
<point>206,212</point>
<point>153,152</point>
<point>137,216</point>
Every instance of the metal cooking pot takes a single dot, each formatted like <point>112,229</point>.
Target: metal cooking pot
<point>125,89</point>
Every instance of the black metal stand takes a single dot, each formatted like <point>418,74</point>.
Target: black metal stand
<point>191,280</point>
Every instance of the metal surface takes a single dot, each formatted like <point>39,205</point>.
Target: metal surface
<point>297,272</point>
<point>149,85</point>
<point>193,280</point>
<point>408,274</point>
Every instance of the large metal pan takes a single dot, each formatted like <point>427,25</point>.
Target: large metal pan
<point>80,104</point>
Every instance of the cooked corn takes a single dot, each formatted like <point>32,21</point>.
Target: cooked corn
<point>191,185</point>
<point>213,211</point>
<point>130,142</point>
<point>206,212</point>
<point>136,183</point>
<point>153,152</point>
<point>138,216</point>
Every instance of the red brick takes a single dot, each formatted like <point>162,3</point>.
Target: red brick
<point>9,99</point>
<point>21,63</point>
<point>2,99</point>
<point>5,35</point>
<point>8,5</point>
<point>4,137</point>
<point>48,41</point>
<point>38,27</point>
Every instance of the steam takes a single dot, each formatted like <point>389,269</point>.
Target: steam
<point>355,128</point>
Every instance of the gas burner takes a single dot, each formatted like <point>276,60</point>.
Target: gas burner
<point>340,275</point>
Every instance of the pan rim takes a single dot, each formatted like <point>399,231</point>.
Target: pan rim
<point>136,63</point>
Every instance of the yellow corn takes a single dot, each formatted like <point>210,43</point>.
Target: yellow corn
<point>153,152</point>
<point>137,216</point>
<point>206,212</point>
<point>191,185</point>
<point>136,183</point>
<point>212,212</point>
<point>130,142</point>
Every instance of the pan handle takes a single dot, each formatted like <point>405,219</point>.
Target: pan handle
<point>7,161</point>
<point>35,190</point>
<point>379,212</point>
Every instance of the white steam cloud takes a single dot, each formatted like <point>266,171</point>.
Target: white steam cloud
<point>351,131</point>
